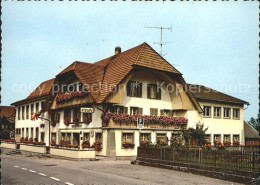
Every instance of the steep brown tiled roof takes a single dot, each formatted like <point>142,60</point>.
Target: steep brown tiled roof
<point>150,58</point>
<point>201,92</point>
<point>112,70</point>
<point>250,132</point>
<point>42,90</point>
<point>6,111</point>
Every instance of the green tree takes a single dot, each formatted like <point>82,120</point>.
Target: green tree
<point>254,123</point>
<point>198,134</point>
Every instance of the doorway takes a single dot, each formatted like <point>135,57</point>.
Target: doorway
<point>75,138</point>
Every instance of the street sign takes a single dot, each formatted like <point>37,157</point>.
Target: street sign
<point>140,123</point>
<point>86,110</point>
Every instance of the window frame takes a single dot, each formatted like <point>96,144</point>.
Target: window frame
<point>220,109</point>
<point>23,112</point>
<point>19,112</point>
<point>122,139</point>
<point>224,136</point>
<point>139,110</point>
<point>229,112</point>
<point>32,108</point>
<point>88,116</point>
<point>210,112</point>
<point>155,110</point>
<point>217,135</point>
<point>238,113</point>
<point>138,89</point>
<point>144,133</point>
<point>165,135</point>
<point>209,136</point>
<point>67,115</point>
<point>158,94</point>
<point>37,108</point>
<point>236,135</point>
<point>97,133</point>
<point>27,111</point>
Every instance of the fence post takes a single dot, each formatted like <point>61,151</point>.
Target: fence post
<point>195,156</point>
<point>201,157</point>
<point>164,153</point>
<point>161,153</point>
<point>253,165</point>
<point>172,154</point>
<point>215,151</point>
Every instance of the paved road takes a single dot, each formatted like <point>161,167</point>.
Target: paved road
<point>18,169</point>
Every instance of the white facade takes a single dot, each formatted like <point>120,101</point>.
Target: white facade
<point>112,137</point>
<point>224,126</point>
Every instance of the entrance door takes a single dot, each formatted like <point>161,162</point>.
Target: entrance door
<point>75,138</point>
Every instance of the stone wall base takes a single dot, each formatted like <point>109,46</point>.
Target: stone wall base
<point>72,159</point>
<point>6,150</point>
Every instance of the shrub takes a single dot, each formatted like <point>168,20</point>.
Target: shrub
<point>97,145</point>
<point>85,144</point>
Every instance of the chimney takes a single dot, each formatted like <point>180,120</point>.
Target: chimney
<point>117,50</point>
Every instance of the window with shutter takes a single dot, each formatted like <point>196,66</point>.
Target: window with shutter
<point>57,117</point>
<point>87,117</point>
<point>140,111</point>
<point>76,115</point>
<point>126,110</point>
<point>133,110</point>
<point>153,91</point>
<point>148,91</point>
<point>145,137</point>
<point>153,111</point>
<point>134,89</point>
<point>165,112</point>
<point>67,115</point>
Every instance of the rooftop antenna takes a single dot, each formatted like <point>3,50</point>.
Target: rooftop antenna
<point>161,43</point>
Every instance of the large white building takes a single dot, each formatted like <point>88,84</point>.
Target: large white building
<point>117,90</point>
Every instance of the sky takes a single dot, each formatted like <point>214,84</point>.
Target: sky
<point>212,43</point>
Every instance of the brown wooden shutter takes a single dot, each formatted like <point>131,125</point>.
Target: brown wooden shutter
<point>69,115</point>
<point>65,116</point>
<point>140,111</point>
<point>139,90</point>
<point>156,112</point>
<point>128,88</point>
<point>161,112</point>
<point>151,111</point>
<point>52,117</point>
<point>148,91</point>
<point>125,110</point>
<point>158,93</point>
<point>90,116</point>
<point>112,109</point>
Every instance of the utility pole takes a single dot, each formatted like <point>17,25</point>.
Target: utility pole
<point>161,28</point>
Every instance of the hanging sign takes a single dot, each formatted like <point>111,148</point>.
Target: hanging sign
<point>86,110</point>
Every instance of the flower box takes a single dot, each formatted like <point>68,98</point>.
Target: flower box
<point>128,145</point>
